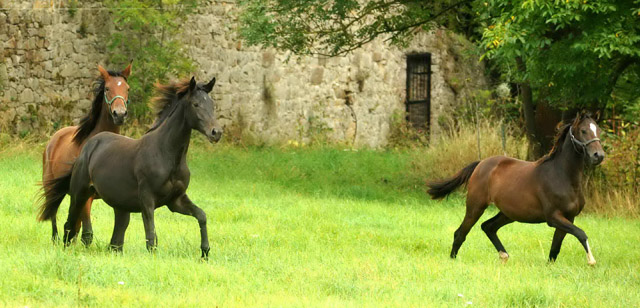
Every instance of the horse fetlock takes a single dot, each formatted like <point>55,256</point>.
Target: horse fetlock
<point>115,247</point>
<point>504,256</point>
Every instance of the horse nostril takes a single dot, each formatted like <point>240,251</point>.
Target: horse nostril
<point>115,114</point>
<point>125,113</point>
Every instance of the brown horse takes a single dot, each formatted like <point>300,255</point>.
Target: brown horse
<point>548,190</point>
<point>108,110</point>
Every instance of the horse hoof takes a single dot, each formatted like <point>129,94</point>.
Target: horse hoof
<point>591,262</point>
<point>87,239</point>
<point>503,256</point>
<point>205,254</point>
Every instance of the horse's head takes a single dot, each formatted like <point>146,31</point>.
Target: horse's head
<point>585,133</point>
<point>116,93</point>
<point>200,110</point>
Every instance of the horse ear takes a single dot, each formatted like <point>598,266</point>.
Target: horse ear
<point>209,86</point>
<point>127,71</point>
<point>104,73</point>
<point>577,119</point>
<point>596,116</point>
<point>192,84</point>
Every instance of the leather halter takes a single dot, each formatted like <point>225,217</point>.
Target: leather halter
<point>126,101</point>
<point>579,143</point>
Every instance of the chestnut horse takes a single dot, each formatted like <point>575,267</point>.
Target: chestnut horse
<point>107,113</point>
<point>548,190</point>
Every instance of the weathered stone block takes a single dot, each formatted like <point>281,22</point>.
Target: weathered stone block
<point>268,58</point>
<point>26,96</point>
<point>316,75</point>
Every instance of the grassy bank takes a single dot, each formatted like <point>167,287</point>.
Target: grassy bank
<point>306,227</point>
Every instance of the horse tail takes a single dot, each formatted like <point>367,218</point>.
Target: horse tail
<point>53,192</point>
<point>439,190</point>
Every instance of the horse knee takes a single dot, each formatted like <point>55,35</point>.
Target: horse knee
<point>486,227</point>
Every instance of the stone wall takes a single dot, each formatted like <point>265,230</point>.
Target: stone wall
<point>49,60</point>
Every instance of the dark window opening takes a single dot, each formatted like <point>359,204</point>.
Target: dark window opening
<point>419,90</point>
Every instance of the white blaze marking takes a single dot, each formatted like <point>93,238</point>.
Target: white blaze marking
<point>593,128</point>
<point>120,82</point>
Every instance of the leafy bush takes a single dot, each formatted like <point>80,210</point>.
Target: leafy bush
<point>147,33</point>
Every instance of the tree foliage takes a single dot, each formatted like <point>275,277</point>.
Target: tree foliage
<point>147,32</point>
<point>338,27</point>
<point>574,51</point>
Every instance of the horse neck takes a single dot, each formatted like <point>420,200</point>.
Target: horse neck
<point>172,137</point>
<point>105,122</point>
<point>569,162</point>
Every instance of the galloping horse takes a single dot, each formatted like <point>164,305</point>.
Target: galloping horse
<point>548,190</point>
<point>144,174</point>
<point>108,110</point>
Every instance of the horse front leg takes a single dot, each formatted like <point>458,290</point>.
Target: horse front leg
<point>183,205</point>
<point>561,223</point>
<point>148,208</point>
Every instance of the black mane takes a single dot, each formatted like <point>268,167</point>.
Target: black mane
<point>166,99</point>
<point>564,131</point>
<point>88,123</point>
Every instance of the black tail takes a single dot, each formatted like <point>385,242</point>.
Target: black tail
<point>439,190</point>
<point>53,193</point>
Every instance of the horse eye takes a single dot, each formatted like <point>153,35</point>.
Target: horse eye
<point>106,89</point>
<point>583,131</point>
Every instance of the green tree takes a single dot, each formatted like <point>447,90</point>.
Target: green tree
<point>569,54</point>
<point>146,31</point>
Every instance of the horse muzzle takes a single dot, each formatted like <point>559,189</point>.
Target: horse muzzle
<point>118,116</point>
<point>214,134</point>
<point>596,158</point>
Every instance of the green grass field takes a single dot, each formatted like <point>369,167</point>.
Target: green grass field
<point>304,227</point>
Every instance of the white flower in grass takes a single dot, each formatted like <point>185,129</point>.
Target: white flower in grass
<point>460,295</point>
<point>469,303</point>
<point>121,283</point>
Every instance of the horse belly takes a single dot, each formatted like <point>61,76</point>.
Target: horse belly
<point>118,188</point>
<point>518,204</point>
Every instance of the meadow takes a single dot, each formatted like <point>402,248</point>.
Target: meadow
<point>293,227</point>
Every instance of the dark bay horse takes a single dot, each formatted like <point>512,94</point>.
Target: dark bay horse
<point>141,175</point>
<point>107,113</point>
<point>548,190</point>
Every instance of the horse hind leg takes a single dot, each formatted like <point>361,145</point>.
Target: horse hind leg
<point>475,209</point>
<point>85,217</point>
<point>80,192</point>
<point>77,204</point>
<point>54,230</point>
<point>121,222</point>
<point>491,227</point>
